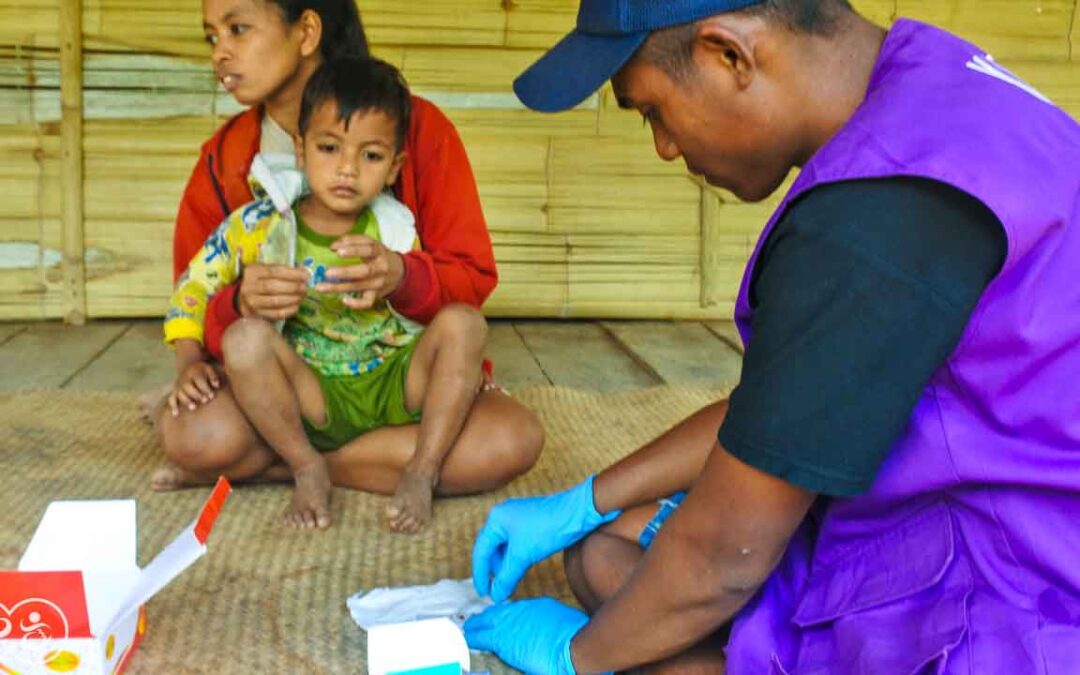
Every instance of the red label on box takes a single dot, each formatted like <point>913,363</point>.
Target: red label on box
<point>43,606</point>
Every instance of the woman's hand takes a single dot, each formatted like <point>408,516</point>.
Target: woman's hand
<point>367,282</point>
<point>271,292</point>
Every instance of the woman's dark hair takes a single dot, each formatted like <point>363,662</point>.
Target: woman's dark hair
<point>359,85</point>
<point>343,33</point>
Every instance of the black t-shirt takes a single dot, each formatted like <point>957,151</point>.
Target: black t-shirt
<point>860,293</point>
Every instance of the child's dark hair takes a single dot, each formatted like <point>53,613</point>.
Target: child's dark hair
<point>359,85</point>
<point>343,33</point>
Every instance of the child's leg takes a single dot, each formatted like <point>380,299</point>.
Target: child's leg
<point>501,440</point>
<point>443,380</point>
<point>274,387</point>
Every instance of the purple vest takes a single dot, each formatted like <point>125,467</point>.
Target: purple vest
<point>964,556</point>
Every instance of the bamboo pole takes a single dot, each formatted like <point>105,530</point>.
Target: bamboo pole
<point>71,162</point>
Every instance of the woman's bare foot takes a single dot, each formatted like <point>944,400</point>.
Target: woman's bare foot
<point>410,507</point>
<point>169,477</point>
<point>310,506</point>
<point>151,400</point>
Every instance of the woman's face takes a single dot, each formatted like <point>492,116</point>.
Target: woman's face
<point>256,54</point>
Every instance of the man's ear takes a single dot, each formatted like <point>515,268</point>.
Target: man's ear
<point>311,28</point>
<point>728,42</point>
<point>395,168</point>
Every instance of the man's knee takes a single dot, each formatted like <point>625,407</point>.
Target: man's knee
<point>586,571</point>
<point>601,564</point>
<point>248,342</point>
<point>575,577</point>
<point>462,322</point>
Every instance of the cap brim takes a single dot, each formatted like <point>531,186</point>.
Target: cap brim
<point>574,69</point>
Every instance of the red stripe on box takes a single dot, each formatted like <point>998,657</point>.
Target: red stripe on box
<point>211,509</point>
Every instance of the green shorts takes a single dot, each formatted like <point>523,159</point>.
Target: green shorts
<point>356,404</point>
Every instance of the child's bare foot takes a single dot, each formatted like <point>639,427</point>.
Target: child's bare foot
<point>151,400</point>
<point>168,477</point>
<point>310,507</point>
<point>410,507</point>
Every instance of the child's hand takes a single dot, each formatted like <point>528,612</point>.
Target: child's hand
<point>195,386</point>
<point>271,292</point>
<point>377,277</point>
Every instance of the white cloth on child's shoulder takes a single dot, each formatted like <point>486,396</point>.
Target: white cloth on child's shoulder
<point>455,600</point>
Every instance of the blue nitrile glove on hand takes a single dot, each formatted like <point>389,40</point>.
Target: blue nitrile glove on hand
<point>530,635</point>
<point>521,532</point>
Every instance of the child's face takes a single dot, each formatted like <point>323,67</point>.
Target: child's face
<point>256,53</point>
<point>347,168</point>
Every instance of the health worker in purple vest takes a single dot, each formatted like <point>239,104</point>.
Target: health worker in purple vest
<point>894,485</point>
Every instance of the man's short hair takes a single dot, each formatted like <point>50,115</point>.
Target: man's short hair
<point>359,84</point>
<point>672,49</point>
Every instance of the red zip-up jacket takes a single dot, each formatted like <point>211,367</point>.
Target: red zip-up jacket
<point>455,263</point>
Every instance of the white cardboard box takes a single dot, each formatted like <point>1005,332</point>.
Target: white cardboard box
<point>76,603</point>
<point>427,647</point>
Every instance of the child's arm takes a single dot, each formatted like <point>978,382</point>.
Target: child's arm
<point>212,268</point>
<point>457,263</point>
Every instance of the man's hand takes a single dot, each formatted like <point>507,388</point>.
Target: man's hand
<point>195,386</point>
<point>366,283</point>
<point>531,635</point>
<point>521,532</point>
<point>271,292</point>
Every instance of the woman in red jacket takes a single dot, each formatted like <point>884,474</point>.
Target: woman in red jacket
<point>264,51</point>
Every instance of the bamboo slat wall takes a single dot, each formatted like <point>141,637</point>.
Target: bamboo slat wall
<point>586,220</point>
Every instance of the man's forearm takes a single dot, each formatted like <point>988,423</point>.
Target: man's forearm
<point>660,613</point>
<point>668,464</point>
<point>709,559</point>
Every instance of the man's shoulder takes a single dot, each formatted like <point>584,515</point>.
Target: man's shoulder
<point>870,208</point>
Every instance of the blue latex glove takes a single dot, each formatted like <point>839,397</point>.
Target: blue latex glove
<point>521,532</point>
<point>531,635</point>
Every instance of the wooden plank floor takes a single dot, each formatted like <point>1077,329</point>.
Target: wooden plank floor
<point>590,355</point>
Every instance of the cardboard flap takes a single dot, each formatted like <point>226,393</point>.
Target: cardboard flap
<point>177,556</point>
<point>43,606</point>
<point>90,536</point>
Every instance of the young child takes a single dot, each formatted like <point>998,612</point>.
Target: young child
<point>343,364</point>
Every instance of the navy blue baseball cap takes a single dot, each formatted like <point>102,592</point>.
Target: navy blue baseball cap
<point>608,33</point>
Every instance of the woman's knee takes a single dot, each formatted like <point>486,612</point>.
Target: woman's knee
<point>461,321</point>
<point>248,342</point>
<point>202,441</point>
<point>515,442</point>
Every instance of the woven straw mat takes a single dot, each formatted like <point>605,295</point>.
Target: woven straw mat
<point>266,599</point>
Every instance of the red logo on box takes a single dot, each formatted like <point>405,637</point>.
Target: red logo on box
<point>43,606</point>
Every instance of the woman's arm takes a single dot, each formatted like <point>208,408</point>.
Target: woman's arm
<point>456,263</point>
